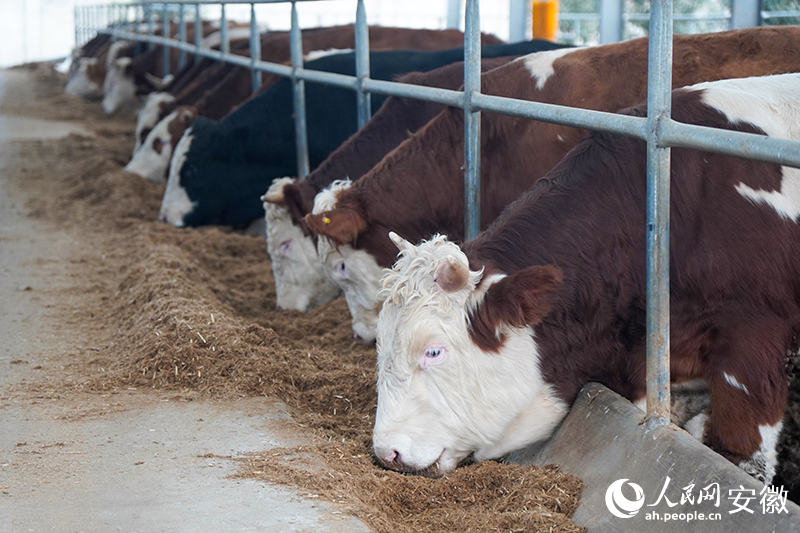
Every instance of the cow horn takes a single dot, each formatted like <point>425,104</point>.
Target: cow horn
<point>156,82</point>
<point>451,275</point>
<point>402,244</point>
<point>274,197</point>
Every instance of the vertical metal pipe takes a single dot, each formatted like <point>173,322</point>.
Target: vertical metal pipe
<point>182,34</point>
<point>137,48</point>
<point>472,121</point>
<point>225,46</point>
<point>150,25</point>
<point>165,33</point>
<point>76,17</point>
<point>453,14</point>
<point>611,25</point>
<point>659,104</point>
<point>364,98</point>
<point>301,131</point>
<point>518,15</point>
<point>198,22</point>
<point>255,49</point>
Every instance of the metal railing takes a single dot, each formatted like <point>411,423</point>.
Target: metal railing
<point>658,130</point>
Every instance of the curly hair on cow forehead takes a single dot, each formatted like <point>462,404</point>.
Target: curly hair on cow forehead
<point>413,275</point>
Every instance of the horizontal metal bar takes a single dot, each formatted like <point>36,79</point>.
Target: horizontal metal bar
<point>568,116</point>
<point>735,143</point>
<point>242,61</point>
<point>672,134</point>
<point>407,90</point>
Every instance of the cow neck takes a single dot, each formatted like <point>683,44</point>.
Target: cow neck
<point>556,222</point>
<point>411,191</point>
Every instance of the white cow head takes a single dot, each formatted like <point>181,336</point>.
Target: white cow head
<point>441,397</point>
<point>119,87</point>
<point>300,281</point>
<point>355,271</point>
<point>176,202</point>
<point>149,115</point>
<point>80,82</point>
<point>151,160</point>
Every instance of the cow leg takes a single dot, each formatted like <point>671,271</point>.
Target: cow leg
<point>748,386</point>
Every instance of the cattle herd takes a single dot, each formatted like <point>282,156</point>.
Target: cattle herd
<point>483,345</point>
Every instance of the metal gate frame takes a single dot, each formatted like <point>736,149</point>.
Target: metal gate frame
<point>658,130</point>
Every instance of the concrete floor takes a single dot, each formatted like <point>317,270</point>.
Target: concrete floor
<point>133,461</point>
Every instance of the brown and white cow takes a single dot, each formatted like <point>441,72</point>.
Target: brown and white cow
<point>127,78</point>
<point>417,190</point>
<point>482,349</point>
<point>88,76</point>
<point>300,281</point>
<point>235,88</point>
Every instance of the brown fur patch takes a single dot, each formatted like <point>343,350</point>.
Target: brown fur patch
<point>519,300</point>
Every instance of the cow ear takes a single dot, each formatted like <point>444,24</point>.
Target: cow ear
<point>293,200</point>
<point>188,115</point>
<point>520,300</point>
<point>342,226</point>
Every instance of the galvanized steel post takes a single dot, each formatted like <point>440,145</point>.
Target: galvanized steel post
<point>659,104</point>
<point>363,97</point>
<point>225,46</point>
<point>182,34</point>
<point>299,86</point>
<point>255,49</point>
<point>166,34</point>
<point>472,121</point>
<point>198,23</point>
<point>77,21</point>
<point>150,25</point>
<point>134,27</point>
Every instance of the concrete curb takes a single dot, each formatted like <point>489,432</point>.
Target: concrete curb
<point>602,440</point>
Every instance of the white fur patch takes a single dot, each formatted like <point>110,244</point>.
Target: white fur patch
<point>147,162</point>
<point>214,40</point>
<point>540,64</point>
<point>733,382</point>
<point>114,51</point>
<point>119,90</point>
<point>769,448</point>
<point>148,115</point>
<point>769,103</point>
<point>79,83</point>
<point>300,281</point>
<point>356,272</point>
<point>696,426</point>
<point>318,54</point>
<point>176,203</point>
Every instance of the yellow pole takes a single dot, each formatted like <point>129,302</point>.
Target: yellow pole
<point>544,14</point>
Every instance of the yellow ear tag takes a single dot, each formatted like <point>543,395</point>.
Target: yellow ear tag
<point>326,220</point>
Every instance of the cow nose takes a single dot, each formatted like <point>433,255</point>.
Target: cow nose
<point>162,218</point>
<point>361,340</point>
<point>391,459</point>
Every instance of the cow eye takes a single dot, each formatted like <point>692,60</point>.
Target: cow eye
<point>433,352</point>
<point>341,270</point>
<point>157,145</point>
<point>285,245</point>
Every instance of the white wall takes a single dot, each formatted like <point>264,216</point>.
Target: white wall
<point>33,30</point>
